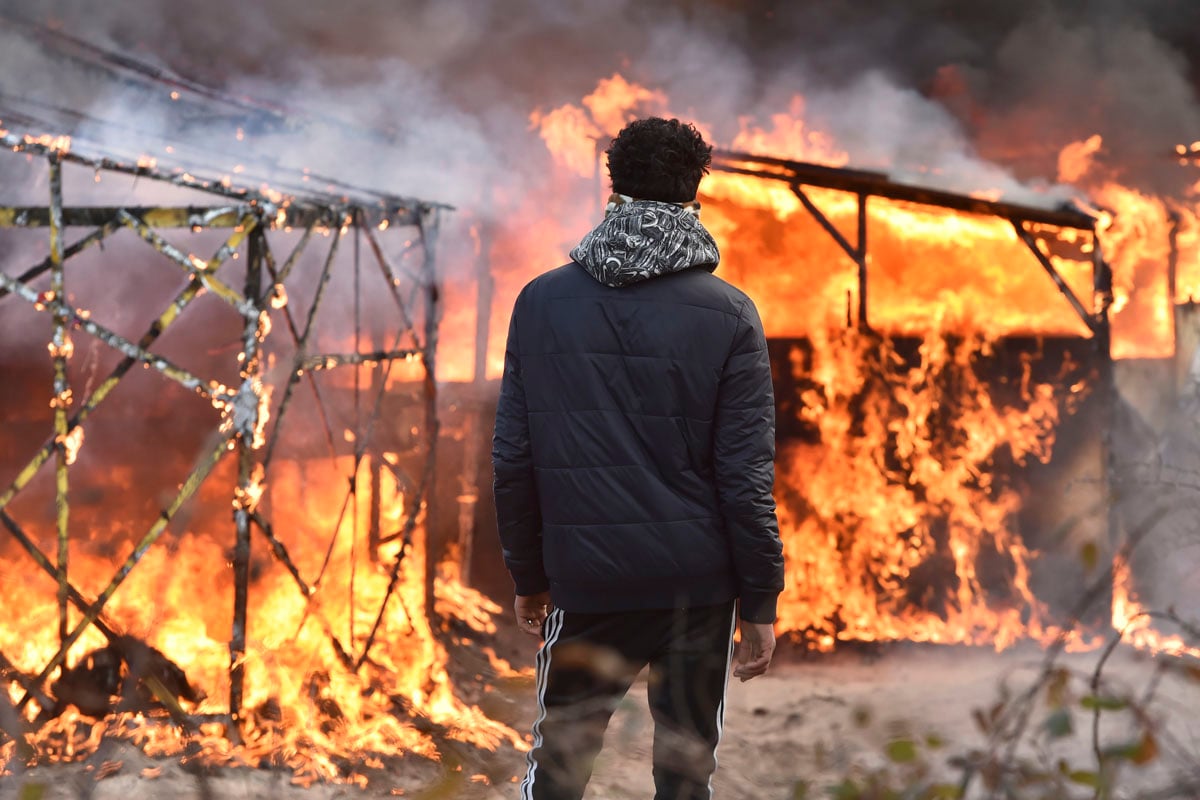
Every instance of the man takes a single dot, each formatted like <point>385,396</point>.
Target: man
<point>634,461</point>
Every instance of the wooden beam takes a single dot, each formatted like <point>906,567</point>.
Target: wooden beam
<point>879,185</point>
<point>294,215</point>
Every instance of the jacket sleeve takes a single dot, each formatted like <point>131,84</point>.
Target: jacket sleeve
<point>744,460</point>
<point>518,514</point>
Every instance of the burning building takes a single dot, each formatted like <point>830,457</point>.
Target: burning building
<point>244,493</point>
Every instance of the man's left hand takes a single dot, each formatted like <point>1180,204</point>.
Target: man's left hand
<point>531,612</point>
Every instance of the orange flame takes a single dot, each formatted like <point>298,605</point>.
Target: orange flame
<point>887,504</point>
<point>304,709</point>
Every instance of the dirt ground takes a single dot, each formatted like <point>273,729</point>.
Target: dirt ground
<point>791,734</point>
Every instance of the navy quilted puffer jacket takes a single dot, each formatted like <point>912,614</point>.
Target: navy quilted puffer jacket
<point>635,434</point>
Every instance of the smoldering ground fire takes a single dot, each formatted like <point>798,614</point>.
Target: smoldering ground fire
<point>942,371</point>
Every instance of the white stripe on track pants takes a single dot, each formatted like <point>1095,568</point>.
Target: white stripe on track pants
<point>587,664</point>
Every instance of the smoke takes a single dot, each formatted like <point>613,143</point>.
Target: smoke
<point>432,98</point>
<point>1023,79</point>
<point>974,96</point>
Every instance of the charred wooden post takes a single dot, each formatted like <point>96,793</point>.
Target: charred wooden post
<point>375,510</point>
<point>246,431</point>
<point>1102,290</point>
<point>476,425</point>
<point>60,348</point>
<point>360,436</point>
<point>1174,217</point>
<point>861,261</point>
<point>374,459</point>
<point>433,313</point>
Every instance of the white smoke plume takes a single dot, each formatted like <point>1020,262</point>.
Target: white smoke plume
<point>965,97</point>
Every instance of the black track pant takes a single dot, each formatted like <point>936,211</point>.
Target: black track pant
<point>585,667</point>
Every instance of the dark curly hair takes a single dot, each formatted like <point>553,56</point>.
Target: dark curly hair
<point>658,159</point>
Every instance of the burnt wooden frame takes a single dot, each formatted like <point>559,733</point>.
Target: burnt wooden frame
<point>249,215</point>
<point>865,184</point>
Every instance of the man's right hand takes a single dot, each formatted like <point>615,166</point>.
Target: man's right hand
<point>531,612</point>
<point>754,650</point>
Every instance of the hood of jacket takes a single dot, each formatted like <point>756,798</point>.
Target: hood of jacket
<point>643,239</point>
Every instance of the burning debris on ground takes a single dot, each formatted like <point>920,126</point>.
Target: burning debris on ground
<point>125,675</point>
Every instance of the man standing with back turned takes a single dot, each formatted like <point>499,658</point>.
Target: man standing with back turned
<point>634,460</point>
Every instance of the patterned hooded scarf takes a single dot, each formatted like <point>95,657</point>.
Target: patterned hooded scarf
<point>641,239</point>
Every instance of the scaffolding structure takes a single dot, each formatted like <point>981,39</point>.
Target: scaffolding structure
<point>242,431</point>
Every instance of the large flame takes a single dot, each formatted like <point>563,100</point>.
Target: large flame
<point>889,520</point>
<point>889,523</point>
<point>303,707</point>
